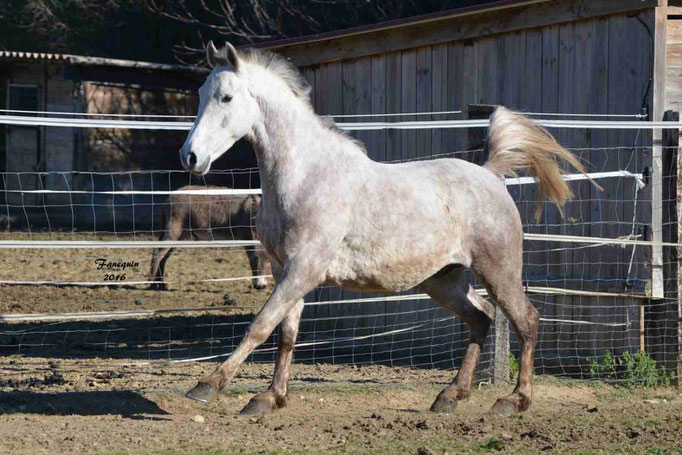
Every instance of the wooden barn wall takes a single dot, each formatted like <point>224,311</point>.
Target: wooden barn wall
<point>673,79</point>
<point>601,66</point>
<point>31,149</point>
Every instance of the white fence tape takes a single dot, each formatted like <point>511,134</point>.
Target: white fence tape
<point>125,314</point>
<point>350,126</point>
<point>241,192</point>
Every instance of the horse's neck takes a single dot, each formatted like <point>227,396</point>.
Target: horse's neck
<point>288,147</point>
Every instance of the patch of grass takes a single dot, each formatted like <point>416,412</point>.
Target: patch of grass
<point>492,444</point>
<point>652,424</point>
<point>513,367</point>
<point>566,382</point>
<point>631,370</point>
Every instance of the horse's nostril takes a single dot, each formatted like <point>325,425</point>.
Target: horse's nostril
<point>192,159</point>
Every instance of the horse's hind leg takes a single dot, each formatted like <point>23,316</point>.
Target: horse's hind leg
<point>502,278</point>
<point>257,268</point>
<point>161,255</point>
<point>452,291</point>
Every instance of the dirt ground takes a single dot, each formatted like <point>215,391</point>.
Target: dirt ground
<point>73,407</point>
<point>86,404</point>
<point>79,265</point>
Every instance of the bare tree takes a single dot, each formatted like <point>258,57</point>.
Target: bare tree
<point>253,21</point>
<point>55,17</point>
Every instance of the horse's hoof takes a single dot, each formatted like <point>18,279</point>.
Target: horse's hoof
<point>258,407</point>
<point>203,392</point>
<point>444,405</point>
<point>157,287</point>
<point>503,408</point>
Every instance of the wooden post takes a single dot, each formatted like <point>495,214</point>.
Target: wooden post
<point>674,140</point>
<point>657,110</point>
<point>476,144</point>
<point>501,373</point>
<point>641,328</point>
<point>672,192</point>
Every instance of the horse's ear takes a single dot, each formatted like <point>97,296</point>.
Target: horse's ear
<point>231,56</point>
<point>213,55</point>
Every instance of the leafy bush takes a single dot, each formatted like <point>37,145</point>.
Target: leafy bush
<point>633,370</point>
<point>604,369</point>
<point>513,367</point>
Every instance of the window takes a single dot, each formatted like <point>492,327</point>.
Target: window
<point>23,143</point>
<point>24,97</point>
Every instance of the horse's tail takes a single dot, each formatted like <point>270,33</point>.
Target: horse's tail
<point>515,142</point>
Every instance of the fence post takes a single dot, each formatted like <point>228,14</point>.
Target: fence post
<point>672,231</point>
<point>477,145</point>
<point>501,373</point>
<point>674,141</point>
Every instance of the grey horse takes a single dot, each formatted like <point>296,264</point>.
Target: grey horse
<point>330,215</point>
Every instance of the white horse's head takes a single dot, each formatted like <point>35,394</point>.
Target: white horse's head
<point>227,110</point>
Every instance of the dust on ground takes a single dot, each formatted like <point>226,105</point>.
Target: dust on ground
<point>105,407</point>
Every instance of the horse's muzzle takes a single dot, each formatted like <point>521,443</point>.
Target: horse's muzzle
<point>191,162</point>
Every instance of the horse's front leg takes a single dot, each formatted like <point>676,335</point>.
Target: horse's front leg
<point>276,395</point>
<point>299,276</point>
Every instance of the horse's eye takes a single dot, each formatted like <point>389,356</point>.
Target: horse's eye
<point>226,99</point>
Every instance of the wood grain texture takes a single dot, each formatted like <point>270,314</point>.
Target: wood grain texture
<point>455,28</point>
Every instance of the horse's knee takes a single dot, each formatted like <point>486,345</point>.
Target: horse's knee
<point>258,333</point>
<point>287,340</point>
<point>527,326</point>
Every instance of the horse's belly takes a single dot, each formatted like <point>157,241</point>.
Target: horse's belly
<point>383,273</point>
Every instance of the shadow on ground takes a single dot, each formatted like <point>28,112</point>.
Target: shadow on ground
<point>128,404</point>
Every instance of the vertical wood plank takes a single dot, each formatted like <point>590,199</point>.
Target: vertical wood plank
<point>599,104</point>
<point>393,147</point>
<point>550,103</point>
<point>377,151</point>
<point>329,100</point>
<point>658,107</point>
<point>410,151</point>
<point>583,77</point>
<point>567,71</point>
<point>462,89</point>
<point>439,95</point>
<point>409,101</point>
<point>424,85</point>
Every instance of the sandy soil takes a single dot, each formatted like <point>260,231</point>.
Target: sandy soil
<point>110,408</point>
<point>80,400</point>
<point>79,265</point>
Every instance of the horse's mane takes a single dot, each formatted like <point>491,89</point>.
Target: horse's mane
<point>292,77</point>
<point>280,67</point>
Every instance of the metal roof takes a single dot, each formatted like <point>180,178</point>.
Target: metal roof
<point>81,60</point>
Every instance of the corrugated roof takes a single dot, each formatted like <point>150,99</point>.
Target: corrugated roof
<point>81,60</point>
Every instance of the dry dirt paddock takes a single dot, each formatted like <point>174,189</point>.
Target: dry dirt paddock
<point>185,270</point>
<point>88,404</point>
<point>104,408</point>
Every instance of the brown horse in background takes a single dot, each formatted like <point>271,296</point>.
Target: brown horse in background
<point>209,217</point>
